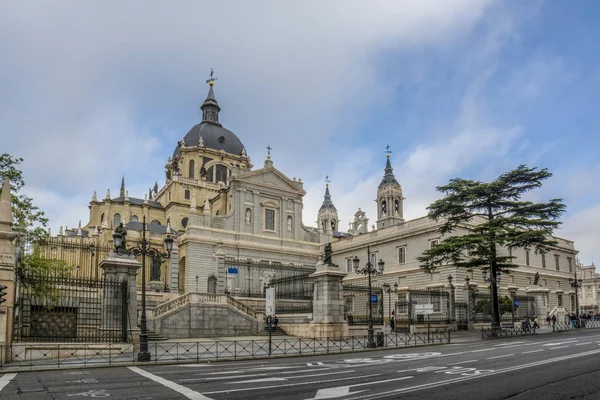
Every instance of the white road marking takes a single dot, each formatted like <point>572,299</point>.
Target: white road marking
<point>506,355</point>
<point>289,384</point>
<point>273,379</point>
<point>464,362</point>
<point>341,391</point>
<point>187,392</point>
<point>329,373</point>
<point>559,347</point>
<point>560,343</point>
<point>5,379</point>
<point>272,368</point>
<point>461,379</point>
<point>218,378</point>
<point>512,345</point>
<point>532,351</point>
<point>508,344</point>
<point>582,344</point>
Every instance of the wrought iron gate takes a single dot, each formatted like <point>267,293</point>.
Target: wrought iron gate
<point>65,309</point>
<point>461,315</point>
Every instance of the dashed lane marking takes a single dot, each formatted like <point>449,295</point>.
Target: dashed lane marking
<point>464,362</point>
<point>582,344</point>
<point>505,355</point>
<point>532,351</point>
<point>187,392</point>
<point>559,347</point>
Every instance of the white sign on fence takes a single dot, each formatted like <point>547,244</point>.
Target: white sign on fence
<point>421,309</point>
<point>269,301</point>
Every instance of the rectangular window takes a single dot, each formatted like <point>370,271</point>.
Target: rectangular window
<point>558,284</point>
<point>270,220</point>
<point>543,260</point>
<point>526,257</point>
<point>559,297</point>
<point>557,262</point>
<point>374,259</point>
<point>433,243</point>
<point>570,261</point>
<point>349,305</point>
<point>402,255</point>
<point>187,194</point>
<point>348,265</point>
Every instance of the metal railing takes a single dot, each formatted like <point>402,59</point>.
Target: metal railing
<point>71,355</point>
<point>489,333</point>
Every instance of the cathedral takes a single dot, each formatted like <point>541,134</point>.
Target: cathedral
<point>237,227</point>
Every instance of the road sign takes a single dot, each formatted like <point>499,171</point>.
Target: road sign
<point>269,301</point>
<point>374,298</point>
<point>421,309</point>
<point>516,304</point>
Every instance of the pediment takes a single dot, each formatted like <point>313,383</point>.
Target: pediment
<point>269,178</point>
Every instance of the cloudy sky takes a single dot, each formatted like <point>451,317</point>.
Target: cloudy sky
<point>91,91</point>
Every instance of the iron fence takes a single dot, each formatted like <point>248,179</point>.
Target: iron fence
<point>527,329</point>
<point>70,356</point>
<point>65,309</point>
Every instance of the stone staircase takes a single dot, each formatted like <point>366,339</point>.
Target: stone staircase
<point>155,337</point>
<point>203,298</point>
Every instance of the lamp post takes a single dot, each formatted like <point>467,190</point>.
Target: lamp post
<point>576,284</point>
<point>77,268</point>
<point>92,251</point>
<point>369,270</point>
<point>388,289</point>
<point>143,249</point>
<point>494,281</point>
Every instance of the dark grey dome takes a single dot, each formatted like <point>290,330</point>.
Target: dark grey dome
<point>214,137</point>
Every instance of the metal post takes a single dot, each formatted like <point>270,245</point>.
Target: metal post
<point>269,320</point>
<point>370,335</point>
<point>495,300</point>
<point>144,354</point>
<point>124,311</point>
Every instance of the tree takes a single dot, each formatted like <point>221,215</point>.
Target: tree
<point>499,218</point>
<point>28,220</point>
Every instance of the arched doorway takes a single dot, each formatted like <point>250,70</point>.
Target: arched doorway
<point>181,276</point>
<point>212,284</point>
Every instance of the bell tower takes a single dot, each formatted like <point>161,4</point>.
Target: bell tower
<point>327,218</point>
<point>389,198</point>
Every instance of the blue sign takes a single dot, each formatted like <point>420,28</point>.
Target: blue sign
<point>516,304</point>
<point>374,298</point>
<point>232,271</point>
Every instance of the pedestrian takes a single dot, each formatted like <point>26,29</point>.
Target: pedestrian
<point>275,322</point>
<point>392,324</point>
<point>553,321</point>
<point>548,320</point>
<point>574,320</point>
<point>535,324</point>
<point>567,319</point>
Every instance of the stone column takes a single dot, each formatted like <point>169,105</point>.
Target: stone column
<point>7,270</point>
<point>123,268</point>
<point>328,303</point>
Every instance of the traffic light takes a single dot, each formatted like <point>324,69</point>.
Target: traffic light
<point>2,293</point>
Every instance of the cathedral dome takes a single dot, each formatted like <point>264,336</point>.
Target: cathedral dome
<point>214,137</point>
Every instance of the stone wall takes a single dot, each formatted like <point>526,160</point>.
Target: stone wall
<point>205,320</point>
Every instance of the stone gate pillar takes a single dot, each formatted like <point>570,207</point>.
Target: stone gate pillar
<point>328,302</point>
<point>121,268</point>
<point>7,271</point>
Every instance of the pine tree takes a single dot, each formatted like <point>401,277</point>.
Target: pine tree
<point>500,218</point>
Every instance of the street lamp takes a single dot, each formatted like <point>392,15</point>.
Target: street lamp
<point>143,249</point>
<point>388,289</point>
<point>369,270</point>
<point>494,281</point>
<point>576,284</point>
<point>92,251</point>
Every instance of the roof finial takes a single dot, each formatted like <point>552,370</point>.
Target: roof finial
<point>122,191</point>
<point>211,80</point>
<point>327,180</point>
<point>387,151</point>
<point>269,148</point>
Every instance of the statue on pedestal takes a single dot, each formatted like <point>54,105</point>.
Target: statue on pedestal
<point>328,252</point>
<point>122,231</point>
<point>536,278</point>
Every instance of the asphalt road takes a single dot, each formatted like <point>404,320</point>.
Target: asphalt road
<point>559,366</point>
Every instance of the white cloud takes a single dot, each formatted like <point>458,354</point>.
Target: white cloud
<point>583,228</point>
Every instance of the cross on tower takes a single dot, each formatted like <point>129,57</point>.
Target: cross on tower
<point>211,80</point>
<point>387,150</point>
<point>327,180</point>
<point>269,148</point>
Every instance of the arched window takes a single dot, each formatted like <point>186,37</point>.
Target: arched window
<point>210,174</point>
<point>117,219</point>
<point>191,169</point>
<point>155,222</point>
<point>332,225</point>
<point>396,206</point>
<point>134,218</point>
<point>221,173</point>
<point>186,194</point>
<point>290,223</point>
<point>101,218</point>
<point>383,207</point>
<point>184,222</point>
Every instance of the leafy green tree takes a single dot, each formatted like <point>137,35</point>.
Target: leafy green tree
<point>500,218</point>
<point>28,220</point>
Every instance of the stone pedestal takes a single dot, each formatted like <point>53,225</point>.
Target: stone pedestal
<point>540,307</point>
<point>119,268</point>
<point>7,271</point>
<point>328,303</point>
